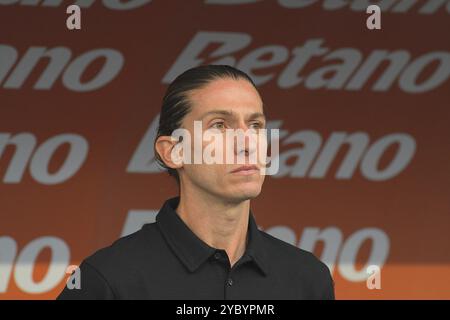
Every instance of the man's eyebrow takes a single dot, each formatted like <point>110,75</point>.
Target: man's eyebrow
<point>227,113</point>
<point>218,112</point>
<point>256,115</point>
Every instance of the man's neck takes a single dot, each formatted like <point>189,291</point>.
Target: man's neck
<point>220,224</point>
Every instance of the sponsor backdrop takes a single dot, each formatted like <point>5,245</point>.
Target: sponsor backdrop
<point>364,116</point>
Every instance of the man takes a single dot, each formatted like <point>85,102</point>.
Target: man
<point>205,243</point>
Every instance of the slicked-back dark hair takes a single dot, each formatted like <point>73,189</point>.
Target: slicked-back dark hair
<point>176,104</point>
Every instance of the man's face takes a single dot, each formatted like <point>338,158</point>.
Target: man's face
<point>220,105</point>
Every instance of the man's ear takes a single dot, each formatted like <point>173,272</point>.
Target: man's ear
<point>164,146</point>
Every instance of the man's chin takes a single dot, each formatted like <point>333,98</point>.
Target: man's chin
<point>243,195</point>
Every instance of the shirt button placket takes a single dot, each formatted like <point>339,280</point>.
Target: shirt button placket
<point>229,281</point>
<point>229,284</point>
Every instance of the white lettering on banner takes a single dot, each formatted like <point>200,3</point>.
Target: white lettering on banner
<point>315,157</point>
<point>394,6</point>
<point>143,159</point>
<point>332,238</point>
<point>136,219</point>
<point>26,151</point>
<point>8,252</point>
<point>110,4</point>
<point>350,70</point>
<point>349,251</point>
<point>26,262</point>
<point>13,73</point>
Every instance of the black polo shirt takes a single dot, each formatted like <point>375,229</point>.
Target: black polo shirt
<point>166,260</point>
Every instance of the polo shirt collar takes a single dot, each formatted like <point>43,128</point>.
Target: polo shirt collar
<point>191,250</point>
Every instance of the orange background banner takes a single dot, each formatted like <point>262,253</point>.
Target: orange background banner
<point>364,119</point>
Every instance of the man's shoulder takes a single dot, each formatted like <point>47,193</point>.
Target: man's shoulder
<point>133,247</point>
<point>292,257</point>
<point>301,267</point>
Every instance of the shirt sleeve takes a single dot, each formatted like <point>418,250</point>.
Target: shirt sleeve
<point>93,286</point>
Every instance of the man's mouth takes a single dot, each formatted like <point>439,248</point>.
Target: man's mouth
<point>246,170</point>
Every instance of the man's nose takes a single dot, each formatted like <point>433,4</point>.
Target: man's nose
<point>249,145</point>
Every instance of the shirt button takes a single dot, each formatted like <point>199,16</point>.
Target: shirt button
<point>230,282</point>
<point>217,256</point>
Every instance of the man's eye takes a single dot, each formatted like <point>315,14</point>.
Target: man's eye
<point>256,125</point>
<point>218,125</point>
